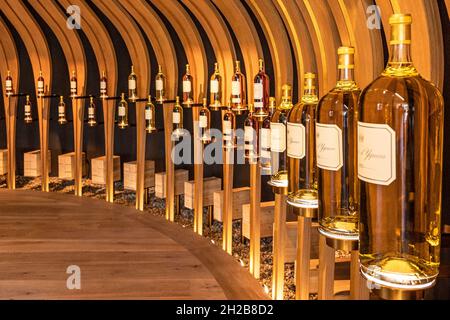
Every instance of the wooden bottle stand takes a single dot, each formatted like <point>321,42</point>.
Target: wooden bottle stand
<point>78,121</point>
<point>108,116</point>
<point>170,168</point>
<point>327,253</point>
<point>10,120</point>
<point>198,170</point>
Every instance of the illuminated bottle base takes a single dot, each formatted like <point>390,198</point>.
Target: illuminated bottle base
<point>279,180</point>
<point>306,201</point>
<point>341,232</point>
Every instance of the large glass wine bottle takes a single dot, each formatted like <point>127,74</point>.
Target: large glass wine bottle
<point>338,185</point>
<point>265,158</point>
<point>261,92</point>
<point>301,149</point>
<point>188,87</point>
<point>278,124</point>
<point>250,136</point>
<point>215,89</point>
<point>238,90</point>
<point>400,132</point>
<point>132,85</point>
<point>160,85</point>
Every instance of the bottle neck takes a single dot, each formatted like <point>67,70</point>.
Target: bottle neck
<point>310,95</point>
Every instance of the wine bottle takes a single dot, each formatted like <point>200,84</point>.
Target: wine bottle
<point>73,84</point>
<point>204,123</point>
<point>301,148</point>
<point>28,117</point>
<point>160,85</point>
<point>132,85</point>
<point>278,124</point>
<point>250,138</point>
<point>177,119</point>
<point>216,89</point>
<point>150,116</point>
<point>40,84</point>
<point>400,145</point>
<point>9,84</point>
<point>264,145</point>
<point>92,118</point>
<point>261,92</point>
<point>188,86</point>
<point>62,111</point>
<point>103,85</point>
<point>228,127</point>
<point>238,90</point>
<point>338,184</point>
<point>122,113</point>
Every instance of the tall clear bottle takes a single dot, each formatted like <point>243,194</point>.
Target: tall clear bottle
<point>62,111</point>
<point>250,136</point>
<point>73,84</point>
<point>261,91</point>
<point>122,113</point>
<point>336,125</point>
<point>9,84</point>
<point>150,113</point>
<point>160,85</point>
<point>265,158</point>
<point>215,88</point>
<point>132,85</point>
<point>228,127</point>
<point>40,85</point>
<point>278,139</point>
<point>238,90</point>
<point>400,143</point>
<point>28,116</point>
<point>204,123</point>
<point>177,119</point>
<point>92,117</point>
<point>103,85</point>
<point>188,87</point>
<point>301,148</point>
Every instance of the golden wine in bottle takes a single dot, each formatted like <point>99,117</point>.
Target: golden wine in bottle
<point>400,144</point>
<point>28,117</point>
<point>188,87</point>
<point>9,84</point>
<point>122,113</point>
<point>92,118</point>
<point>73,84</point>
<point>338,184</point>
<point>132,85</point>
<point>204,121</point>
<point>177,119</point>
<point>103,85</point>
<point>250,136</point>
<point>265,158</point>
<point>215,88</point>
<point>228,127</point>
<point>278,124</point>
<point>62,111</point>
<point>238,90</point>
<point>301,149</point>
<point>150,116</point>
<point>40,85</point>
<point>160,85</point>
<point>261,92</point>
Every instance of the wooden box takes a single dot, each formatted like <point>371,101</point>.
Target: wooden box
<point>267,212</point>
<point>130,177</point>
<point>210,185</point>
<point>3,161</point>
<point>98,169</point>
<point>240,196</point>
<point>181,176</point>
<point>32,163</point>
<point>66,165</point>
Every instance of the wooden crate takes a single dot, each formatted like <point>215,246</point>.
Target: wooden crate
<point>3,161</point>
<point>210,185</point>
<point>181,176</point>
<point>66,165</point>
<point>130,177</point>
<point>240,196</point>
<point>98,169</point>
<point>32,163</point>
<point>267,212</point>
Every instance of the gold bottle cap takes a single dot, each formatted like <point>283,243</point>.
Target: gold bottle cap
<point>310,81</point>
<point>286,89</point>
<point>216,66</point>
<point>177,99</point>
<point>272,102</point>
<point>238,65</point>
<point>92,99</point>
<point>400,29</point>
<point>9,73</point>
<point>61,99</point>
<point>251,109</point>
<point>123,96</point>
<point>310,75</point>
<point>204,102</point>
<point>187,67</point>
<point>261,64</point>
<point>346,58</point>
<point>150,98</point>
<point>28,97</point>
<point>159,68</point>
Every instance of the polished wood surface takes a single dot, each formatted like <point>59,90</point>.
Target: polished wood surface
<point>121,254</point>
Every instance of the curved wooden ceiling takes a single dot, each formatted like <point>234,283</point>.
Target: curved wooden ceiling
<point>301,33</point>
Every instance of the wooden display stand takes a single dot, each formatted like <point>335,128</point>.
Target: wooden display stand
<point>240,196</point>
<point>32,166</point>
<point>3,161</point>
<point>130,175</point>
<point>99,170</point>
<point>169,176</point>
<point>67,165</point>
<point>78,125</point>
<point>108,118</point>
<point>11,120</point>
<point>43,107</point>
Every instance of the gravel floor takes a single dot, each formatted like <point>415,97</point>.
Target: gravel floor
<point>185,218</point>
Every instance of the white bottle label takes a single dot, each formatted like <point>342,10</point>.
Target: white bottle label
<point>40,85</point>
<point>227,132</point>
<point>103,85</point>
<point>73,85</point>
<point>148,114</point>
<point>132,84</point>
<point>8,84</point>
<point>277,137</point>
<point>214,86</point>
<point>91,111</point>
<point>203,121</point>
<point>121,111</point>
<point>248,134</point>
<point>235,88</point>
<point>265,138</point>
<point>329,146</point>
<point>236,100</point>
<point>258,104</point>
<point>187,86</point>
<point>27,108</point>
<point>295,140</point>
<point>258,91</point>
<point>175,117</point>
<point>159,85</point>
<point>61,109</point>
<point>376,153</point>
